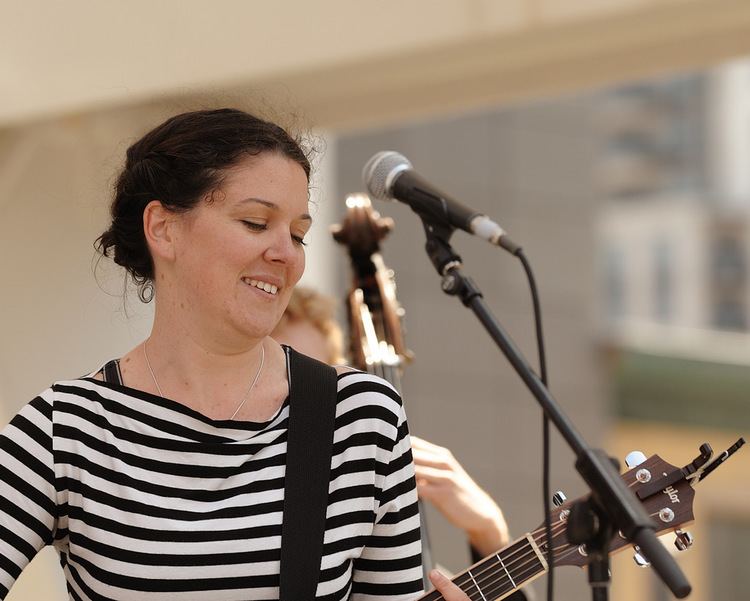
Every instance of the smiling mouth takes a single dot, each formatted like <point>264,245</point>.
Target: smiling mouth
<point>265,286</point>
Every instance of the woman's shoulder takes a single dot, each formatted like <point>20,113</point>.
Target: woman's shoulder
<point>358,389</point>
<point>78,387</point>
<point>350,376</point>
<point>93,386</point>
<point>76,391</point>
<point>345,369</point>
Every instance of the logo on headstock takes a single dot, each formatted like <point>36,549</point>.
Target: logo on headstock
<point>672,494</point>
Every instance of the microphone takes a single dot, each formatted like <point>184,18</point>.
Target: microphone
<point>388,175</point>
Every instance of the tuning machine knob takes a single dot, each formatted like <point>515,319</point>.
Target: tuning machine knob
<point>634,458</point>
<point>683,540</point>
<point>559,498</point>
<point>639,559</point>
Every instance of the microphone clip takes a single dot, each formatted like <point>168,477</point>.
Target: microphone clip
<point>447,263</point>
<point>438,247</point>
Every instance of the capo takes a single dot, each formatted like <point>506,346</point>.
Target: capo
<point>692,471</point>
<point>721,458</point>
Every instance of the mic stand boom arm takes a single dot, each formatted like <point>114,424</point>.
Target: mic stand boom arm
<point>612,506</point>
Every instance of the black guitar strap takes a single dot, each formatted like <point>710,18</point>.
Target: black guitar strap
<point>312,414</point>
<point>112,372</point>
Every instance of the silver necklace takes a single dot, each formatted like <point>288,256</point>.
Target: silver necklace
<point>247,394</point>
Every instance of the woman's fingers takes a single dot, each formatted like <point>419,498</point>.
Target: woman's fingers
<point>449,590</point>
<point>421,443</point>
<point>432,475</point>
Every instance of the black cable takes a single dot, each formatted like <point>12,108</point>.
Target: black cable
<point>545,423</point>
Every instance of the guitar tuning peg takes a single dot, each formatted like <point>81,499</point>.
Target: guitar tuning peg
<point>683,540</point>
<point>639,559</point>
<point>559,498</point>
<point>634,458</point>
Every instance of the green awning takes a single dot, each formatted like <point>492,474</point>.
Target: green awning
<point>678,390</point>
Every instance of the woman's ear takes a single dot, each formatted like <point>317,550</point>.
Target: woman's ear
<point>158,228</point>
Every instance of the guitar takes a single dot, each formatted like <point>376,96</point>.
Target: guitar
<point>666,492</point>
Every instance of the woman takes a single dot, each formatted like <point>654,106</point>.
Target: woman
<point>165,480</point>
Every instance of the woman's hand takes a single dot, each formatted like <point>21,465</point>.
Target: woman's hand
<point>442,481</point>
<point>449,590</point>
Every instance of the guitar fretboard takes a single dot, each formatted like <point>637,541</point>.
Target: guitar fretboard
<point>499,575</point>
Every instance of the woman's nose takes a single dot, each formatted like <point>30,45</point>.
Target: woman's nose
<point>282,248</point>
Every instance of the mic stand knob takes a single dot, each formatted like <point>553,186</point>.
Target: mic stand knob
<point>588,525</point>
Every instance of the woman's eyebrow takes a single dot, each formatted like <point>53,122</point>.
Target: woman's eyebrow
<point>273,206</point>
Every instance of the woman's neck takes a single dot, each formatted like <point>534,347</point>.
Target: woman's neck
<point>208,375</point>
<point>201,352</point>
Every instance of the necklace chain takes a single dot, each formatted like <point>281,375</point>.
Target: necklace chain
<point>247,394</point>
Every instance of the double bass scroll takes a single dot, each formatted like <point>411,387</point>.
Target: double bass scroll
<point>374,313</point>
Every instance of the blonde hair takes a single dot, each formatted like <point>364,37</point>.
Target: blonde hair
<point>307,304</point>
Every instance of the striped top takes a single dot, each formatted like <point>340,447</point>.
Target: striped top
<point>146,499</point>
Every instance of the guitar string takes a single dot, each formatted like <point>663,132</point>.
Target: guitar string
<point>512,565</point>
<point>499,585</point>
<point>516,562</point>
<point>527,561</point>
<point>498,588</point>
<point>503,580</point>
<point>503,584</point>
<point>501,588</point>
<point>574,550</point>
<point>538,536</point>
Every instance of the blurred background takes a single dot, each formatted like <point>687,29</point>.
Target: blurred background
<point>611,138</point>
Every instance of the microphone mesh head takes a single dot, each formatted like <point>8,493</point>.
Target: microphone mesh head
<point>378,173</point>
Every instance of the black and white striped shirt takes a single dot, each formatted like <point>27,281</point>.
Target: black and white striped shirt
<point>145,499</point>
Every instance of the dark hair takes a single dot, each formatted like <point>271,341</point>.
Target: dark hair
<point>178,163</point>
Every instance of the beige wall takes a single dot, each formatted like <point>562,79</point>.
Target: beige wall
<point>349,62</point>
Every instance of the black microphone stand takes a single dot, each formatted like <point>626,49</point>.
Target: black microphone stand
<point>612,507</point>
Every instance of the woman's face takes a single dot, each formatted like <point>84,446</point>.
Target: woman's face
<point>239,255</point>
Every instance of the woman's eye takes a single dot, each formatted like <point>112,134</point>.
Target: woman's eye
<point>256,227</point>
